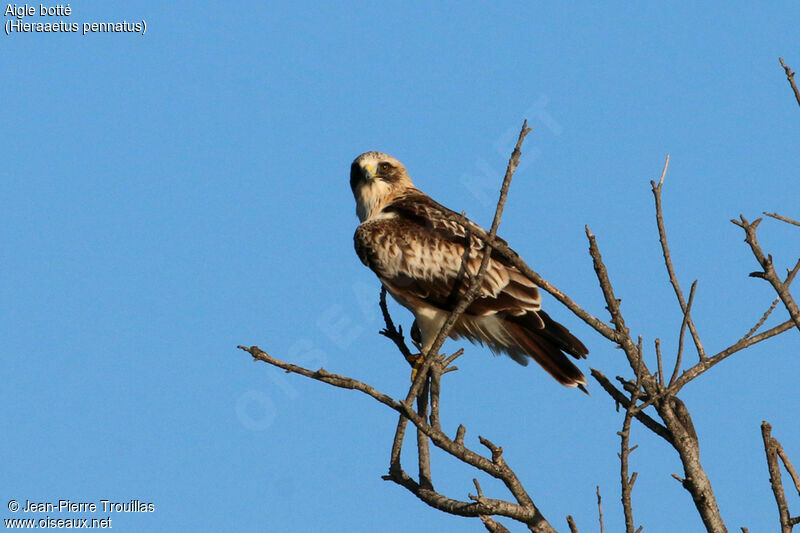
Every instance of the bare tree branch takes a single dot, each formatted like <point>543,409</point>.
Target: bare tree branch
<point>423,450</point>
<point>460,433</point>
<point>573,528</point>
<point>487,506</point>
<point>625,449</point>
<point>474,287</point>
<point>790,77</point>
<point>622,336</point>
<point>678,428</point>
<point>508,477</point>
<point>771,449</point>
<point>610,333</point>
<point>648,390</point>
<point>671,410</point>
<point>676,419</point>
<point>506,252</point>
<point>396,336</point>
<point>762,319</point>
<point>686,320</point>
<point>673,279</point>
<point>390,331</point>
<point>600,510</point>
<point>623,400</point>
<point>426,389</point>
<point>426,384</point>
<point>324,376</point>
<point>435,392</point>
<point>745,342</point>
<point>783,218</point>
<point>493,526</point>
<point>701,367</point>
<point>397,444</point>
<point>788,466</point>
<point>525,512</point>
<point>769,273</point>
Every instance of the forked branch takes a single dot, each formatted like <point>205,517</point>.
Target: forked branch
<point>769,274</point>
<point>673,279</point>
<point>648,391</point>
<point>526,513</point>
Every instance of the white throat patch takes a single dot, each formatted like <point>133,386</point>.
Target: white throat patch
<point>372,196</point>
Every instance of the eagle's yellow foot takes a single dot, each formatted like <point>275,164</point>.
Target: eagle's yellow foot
<point>416,361</point>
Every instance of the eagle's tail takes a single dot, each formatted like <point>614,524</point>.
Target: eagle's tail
<point>531,335</point>
<point>547,342</point>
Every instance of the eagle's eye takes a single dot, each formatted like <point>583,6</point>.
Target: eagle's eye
<point>383,166</point>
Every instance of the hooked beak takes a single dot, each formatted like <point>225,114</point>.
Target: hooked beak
<point>369,171</point>
<point>359,173</point>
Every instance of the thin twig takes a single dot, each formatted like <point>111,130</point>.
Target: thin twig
<point>458,353</point>
<point>390,331</point>
<point>745,342</point>
<point>600,510</point>
<point>423,449</point>
<point>478,489</point>
<point>701,367</point>
<point>492,525</point>
<point>682,331</point>
<point>460,433</point>
<point>396,336</point>
<point>473,290</point>
<point>573,528</point>
<point>790,77</point>
<point>673,279</point>
<point>659,362</point>
<point>790,276</point>
<point>771,450</point>
<point>623,400</point>
<point>768,273</point>
<point>622,336</point>
<point>783,218</point>
<point>510,478</point>
<point>435,391</point>
<point>763,319</point>
<point>397,444</point>
<point>792,273</point>
<point>789,467</point>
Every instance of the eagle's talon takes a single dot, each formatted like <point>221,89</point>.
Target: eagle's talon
<point>416,361</point>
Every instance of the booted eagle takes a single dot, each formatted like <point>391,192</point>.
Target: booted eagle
<point>417,253</point>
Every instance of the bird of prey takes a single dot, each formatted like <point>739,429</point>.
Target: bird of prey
<point>417,253</point>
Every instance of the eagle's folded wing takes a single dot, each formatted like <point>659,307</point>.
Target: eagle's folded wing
<point>426,258</point>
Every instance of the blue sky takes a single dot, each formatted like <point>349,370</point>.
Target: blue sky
<point>168,196</point>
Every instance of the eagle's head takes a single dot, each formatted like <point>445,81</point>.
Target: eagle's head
<point>376,179</point>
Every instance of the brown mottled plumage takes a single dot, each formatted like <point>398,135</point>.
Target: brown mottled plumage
<point>417,254</point>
